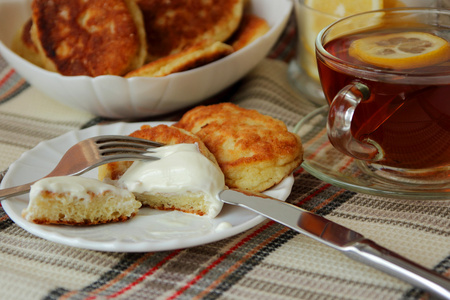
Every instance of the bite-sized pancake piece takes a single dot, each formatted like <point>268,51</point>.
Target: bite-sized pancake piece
<point>254,151</point>
<point>174,25</point>
<point>251,28</point>
<point>195,56</point>
<point>163,134</point>
<point>76,200</point>
<point>77,37</point>
<point>24,46</point>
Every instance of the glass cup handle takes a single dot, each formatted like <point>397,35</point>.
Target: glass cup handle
<point>340,119</point>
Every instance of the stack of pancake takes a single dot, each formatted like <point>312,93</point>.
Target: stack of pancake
<point>134,37</point>
<point>254,151</point>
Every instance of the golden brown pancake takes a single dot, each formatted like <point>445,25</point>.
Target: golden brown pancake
<point>163,134</point>
<point>251,28</point>
<point>254,151</point>
<point>77,37</point>
<point>173,25</point>
<point>169,135</point>
<point>24,46</point>
<point>195,56</point>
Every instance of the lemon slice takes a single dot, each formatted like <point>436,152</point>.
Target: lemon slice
<point>405,50</point>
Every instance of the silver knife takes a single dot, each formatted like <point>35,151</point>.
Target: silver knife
<point>349,242</point>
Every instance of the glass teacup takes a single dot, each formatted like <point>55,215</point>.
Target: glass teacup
<point>386,77</point>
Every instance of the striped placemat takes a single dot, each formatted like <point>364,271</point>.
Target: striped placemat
<point>265,262</point>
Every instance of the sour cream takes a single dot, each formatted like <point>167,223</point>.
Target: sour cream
<point>181,168</point>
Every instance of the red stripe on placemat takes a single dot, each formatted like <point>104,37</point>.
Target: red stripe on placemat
<point>327,201</point>
<point>6,77</point>
<point>315,193</point>
<point>121,275</point>
<point>345,166</point>
<point>283,44</point>
<point>320,148</point>
<point>12,90</point>
<point>240,262</point>
<point>219,260</point>
<point>299,171</point>
<point>148,273</point>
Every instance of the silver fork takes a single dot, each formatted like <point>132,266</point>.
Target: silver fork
<point>91,153</point>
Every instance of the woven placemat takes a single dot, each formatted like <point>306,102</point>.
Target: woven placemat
<point>266,262</point>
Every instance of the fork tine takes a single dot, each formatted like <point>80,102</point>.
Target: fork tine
<point>109,140</point>
<point>123,150</point>
<point>120,157</point>
<point>127,156</point>
<point>116,144</point>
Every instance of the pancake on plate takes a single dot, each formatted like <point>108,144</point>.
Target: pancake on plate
<point>171,26</point>
<point>195,56</point>
<point>76,200</point>
<point>186,177</point>
<point>254,151</point>
<point>164,134</point>
<point>92,38</point>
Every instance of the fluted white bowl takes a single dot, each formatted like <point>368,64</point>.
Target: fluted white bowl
<point>118,97</point>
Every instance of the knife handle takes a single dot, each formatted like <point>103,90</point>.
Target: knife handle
<point>372,254</point>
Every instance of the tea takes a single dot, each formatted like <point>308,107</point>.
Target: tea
<point>408,112</point>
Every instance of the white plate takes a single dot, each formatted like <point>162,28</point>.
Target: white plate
<point>150,230</point>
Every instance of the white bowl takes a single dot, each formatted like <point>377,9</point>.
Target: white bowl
<point>118,97</point>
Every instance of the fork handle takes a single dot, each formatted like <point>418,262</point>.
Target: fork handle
<point>15,191</point>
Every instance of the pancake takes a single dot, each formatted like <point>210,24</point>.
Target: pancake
<point>77,37</point>
<point>163,134</point>
<point>24,46</point>
<point>181,179</point>
<point>185,178</point>
<point>254,151</point>
<point>171,26</point>
<point>251,28</point>
<point>76,200</point>
<point>195,56</point>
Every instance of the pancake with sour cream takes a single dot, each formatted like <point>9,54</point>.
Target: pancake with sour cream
<point>76,200</point>
<point>186,178</point>
<point>182,179</point>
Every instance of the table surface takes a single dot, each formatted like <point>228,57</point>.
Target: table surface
<point>268,261</point>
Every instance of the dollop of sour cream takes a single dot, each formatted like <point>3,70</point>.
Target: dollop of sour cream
<point>181,168</point>
<point>78,187</point>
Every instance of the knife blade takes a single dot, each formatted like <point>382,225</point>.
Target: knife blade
<point>349,242</point>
